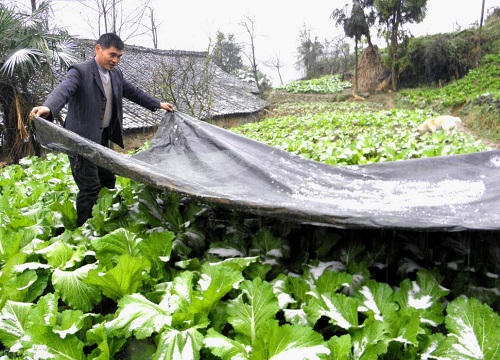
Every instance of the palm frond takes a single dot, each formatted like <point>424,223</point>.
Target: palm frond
<point>64,53</point>
<point>23,59</point>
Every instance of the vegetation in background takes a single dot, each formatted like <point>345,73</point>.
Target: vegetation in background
<point>350,133</point>
<point>329,84</point>
<point>28,50</point>
<point>152,275</point>
<point>476,96</point>
<point>155,276</point>
<point>309,53</point>
<point>226,53</point>
<point>356,26</point>
<point>392,15</point>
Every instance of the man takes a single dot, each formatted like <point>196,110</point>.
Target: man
<point>94,91</point>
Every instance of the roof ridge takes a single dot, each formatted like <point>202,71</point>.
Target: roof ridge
<point>144,49</point>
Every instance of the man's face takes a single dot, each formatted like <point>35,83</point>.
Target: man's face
<point>107,58</point>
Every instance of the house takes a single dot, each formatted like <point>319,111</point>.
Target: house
<point>187,79</point>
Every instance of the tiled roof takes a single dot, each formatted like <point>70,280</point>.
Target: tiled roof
<point>227,94</point>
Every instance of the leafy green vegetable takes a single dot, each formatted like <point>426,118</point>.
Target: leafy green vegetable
<point>123,279</point>
<point>327,84</point>
<point>166,277</point>
<point>473,331</point>
<point>347,136</point>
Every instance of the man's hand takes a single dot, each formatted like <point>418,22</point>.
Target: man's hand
<point>167,106</point>
<point>42,111</point>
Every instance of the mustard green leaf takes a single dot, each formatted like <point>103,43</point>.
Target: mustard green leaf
<point>14,323</point>
<point>73,288</point>
<point>252,309</point>
<point>139,316</point>
<point>175,344</point>
<point>296,342</point>
<point>340,347</point>
<point>110,246</point>
<point>376,299</point>
<point>224,347</point>
<point>125,278</point>
<point>339,308</point>
<point>473,331</point>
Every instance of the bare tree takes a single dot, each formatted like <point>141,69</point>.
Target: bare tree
<point>249,25</point>
<point>153,27</point>
<point>185,79</point>
<point>480,34</point>
<point>113,16</point>
<point>276,62</point>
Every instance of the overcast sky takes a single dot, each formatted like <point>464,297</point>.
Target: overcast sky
<point>188,24</point>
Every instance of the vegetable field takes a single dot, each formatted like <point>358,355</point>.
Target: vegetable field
<point>156,276</point>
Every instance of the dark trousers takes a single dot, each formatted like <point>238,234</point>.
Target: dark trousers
<point>90,179</point>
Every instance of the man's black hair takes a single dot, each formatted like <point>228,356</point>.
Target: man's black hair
<point>110,39</point>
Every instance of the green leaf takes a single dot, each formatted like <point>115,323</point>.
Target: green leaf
<point>175,344</point>
<point>9,242</point>
<point>119,242</point>
<point>287,289</point>
<point>296,342</point>
<point>238,264</point>
<point>269,246</point>
<point>331,281</point>
<point>157,248</point>
<point>215,282</point>
<point>179,294</point>
<point>55,347</point>
<point>425,294</point>
<point>430,343</point>
<point>224,347</point>
<point>70,322</point>
<point>370,341</point>
<point>26,286</point>
<point>73,288</point>
<point>125,278</point>
<point>106,347</point>
<point>473,331</point>
<point>139,316</point>
<point>377,300</point>
<point>404,326</point>
<point>339,308</point>
<point>62,255</point>
<point>340,347</point>
<point>13,323</point>
<point>44,313</point>
<point>101,217</point>
<point>252,309</point>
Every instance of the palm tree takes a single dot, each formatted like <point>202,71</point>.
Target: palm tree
<point>29,56</point>
<point>309,51</point>
<point>356,26</point>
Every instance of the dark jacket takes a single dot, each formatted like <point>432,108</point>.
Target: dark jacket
<point>82,90</point>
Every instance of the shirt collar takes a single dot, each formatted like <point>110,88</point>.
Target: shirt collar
<point>101,69</point>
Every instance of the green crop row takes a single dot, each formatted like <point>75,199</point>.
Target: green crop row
<point>329,84</point>
<point>349,136</point>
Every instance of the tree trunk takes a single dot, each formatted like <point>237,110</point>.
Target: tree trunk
<point>394,55</point>
<point>479,38</point>
<point>356,66</point>
<point>10,130</point>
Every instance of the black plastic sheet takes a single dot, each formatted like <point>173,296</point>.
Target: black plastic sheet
<point>194,158</point>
